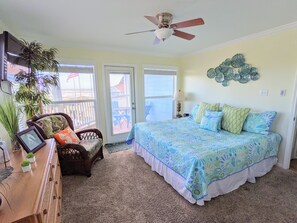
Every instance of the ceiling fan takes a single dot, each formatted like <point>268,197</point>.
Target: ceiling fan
<point>166,28</point>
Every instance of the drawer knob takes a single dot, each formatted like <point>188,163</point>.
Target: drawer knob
<point>59,214</point>
<point>44,211</point>
<point>54,197</point>
<point>59,197</point>
<point>56,182</point>
<point>53,166</point>
<point>50,179</point>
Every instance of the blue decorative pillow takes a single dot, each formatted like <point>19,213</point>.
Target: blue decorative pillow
<point>216,115</point>
<point>194,111</point>
<point>259,122</point>
<point>211,121</point>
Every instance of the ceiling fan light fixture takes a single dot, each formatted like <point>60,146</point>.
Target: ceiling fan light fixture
<point>164,33</point>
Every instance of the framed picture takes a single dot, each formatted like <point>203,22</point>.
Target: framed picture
<point>30,139</point>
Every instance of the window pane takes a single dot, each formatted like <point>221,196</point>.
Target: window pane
<point>74,86</point>
<point>158,109</point>
<point>75,96</point>
<point>120,103</point>
<point>159,85</point>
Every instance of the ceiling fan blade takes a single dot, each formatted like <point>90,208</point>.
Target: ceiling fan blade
<point>183,35</point>
<point>189,23</point>
<point>153,19</point>
<point>146,31</point>
<point>156,41</point>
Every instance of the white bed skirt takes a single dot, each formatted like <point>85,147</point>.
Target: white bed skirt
<point>214,189</point>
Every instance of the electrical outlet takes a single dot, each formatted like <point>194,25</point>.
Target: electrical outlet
<point>283,93</point>
<point>264,92</point>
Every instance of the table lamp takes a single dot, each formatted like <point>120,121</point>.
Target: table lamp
<point>179,96</point>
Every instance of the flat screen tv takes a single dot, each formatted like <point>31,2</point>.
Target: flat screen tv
<point>11,62</point>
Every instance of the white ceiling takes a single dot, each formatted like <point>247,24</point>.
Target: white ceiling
<point>101,24</point>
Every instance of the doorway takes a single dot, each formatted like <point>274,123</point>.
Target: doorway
<point>120,101</point>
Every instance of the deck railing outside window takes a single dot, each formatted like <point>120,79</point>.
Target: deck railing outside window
<point>82,112</point>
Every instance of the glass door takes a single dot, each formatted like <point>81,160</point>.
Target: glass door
<point>120,102</point>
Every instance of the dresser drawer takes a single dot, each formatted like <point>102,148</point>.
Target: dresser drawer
<point>52,209</point>
<point>55,164</point>
<point>58,211</point>
<point>46,200</point>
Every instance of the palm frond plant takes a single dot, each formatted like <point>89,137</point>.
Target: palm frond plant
<point>35,85</point>
<point>9,119</point>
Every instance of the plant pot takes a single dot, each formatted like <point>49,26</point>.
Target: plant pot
<point>26,168</point>
<point>15,145</point>
<point>32,160</point>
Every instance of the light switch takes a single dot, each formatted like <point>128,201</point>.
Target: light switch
<point>283,92</point>
<point>264,92</point>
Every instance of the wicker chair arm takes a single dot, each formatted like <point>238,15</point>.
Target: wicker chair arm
<point>89,134</point>
<point>72,151</point>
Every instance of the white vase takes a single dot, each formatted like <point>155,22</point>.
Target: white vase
<point>32,160</point>
<point>26,168</point>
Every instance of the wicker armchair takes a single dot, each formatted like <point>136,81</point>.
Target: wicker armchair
<point>74,158</point>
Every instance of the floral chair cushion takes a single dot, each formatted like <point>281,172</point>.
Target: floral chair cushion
<point>59,122</point>
<point>46,125</point>
<point>92,146</point>
<point>52,124</point>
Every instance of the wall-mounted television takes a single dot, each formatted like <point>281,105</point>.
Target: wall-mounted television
<point>11,62</point>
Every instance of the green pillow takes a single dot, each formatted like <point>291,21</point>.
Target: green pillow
<point>234,118</point>
<point>203,107</point>
<point>46,125</point>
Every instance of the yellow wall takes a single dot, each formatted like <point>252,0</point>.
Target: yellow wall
<point>275,56</point>
<point>100,58</point>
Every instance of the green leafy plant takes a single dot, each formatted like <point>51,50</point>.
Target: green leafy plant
<point>30,155</point>
<point>35,85</point>
<point>25,163</point>
<point>9,118</point>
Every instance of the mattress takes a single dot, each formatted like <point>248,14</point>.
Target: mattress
<point>200,157</point>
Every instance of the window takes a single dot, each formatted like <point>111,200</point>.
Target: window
<point>159,88</point>
<point>75,95</point>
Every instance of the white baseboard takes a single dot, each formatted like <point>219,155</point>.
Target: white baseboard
<point>279,164</point>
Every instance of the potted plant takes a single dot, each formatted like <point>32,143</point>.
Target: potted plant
<point>26,166</point>
<point>9,120</point>
<point>31,157</point>
<point>34,86</point>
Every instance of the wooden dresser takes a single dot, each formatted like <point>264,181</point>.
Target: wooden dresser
<point>34,196</point>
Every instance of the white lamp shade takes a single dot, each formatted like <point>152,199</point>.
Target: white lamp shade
<point>163,33</point>
<point>179,96</point>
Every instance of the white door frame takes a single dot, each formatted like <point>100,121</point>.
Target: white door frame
<point>290,151</point>
<point>131,70</point>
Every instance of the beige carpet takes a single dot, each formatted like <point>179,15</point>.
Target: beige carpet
<point>293,164</point>
<point>124,189</point>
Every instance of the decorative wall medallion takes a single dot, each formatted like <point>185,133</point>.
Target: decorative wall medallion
<point>234,69</point>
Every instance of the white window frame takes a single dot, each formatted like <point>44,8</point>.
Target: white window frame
<point>161,70</point>
<point>95,80</point>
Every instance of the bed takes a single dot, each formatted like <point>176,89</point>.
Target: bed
<point>201,164</point>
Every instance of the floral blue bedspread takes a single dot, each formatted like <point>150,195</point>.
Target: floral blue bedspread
<point>201,156</point>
